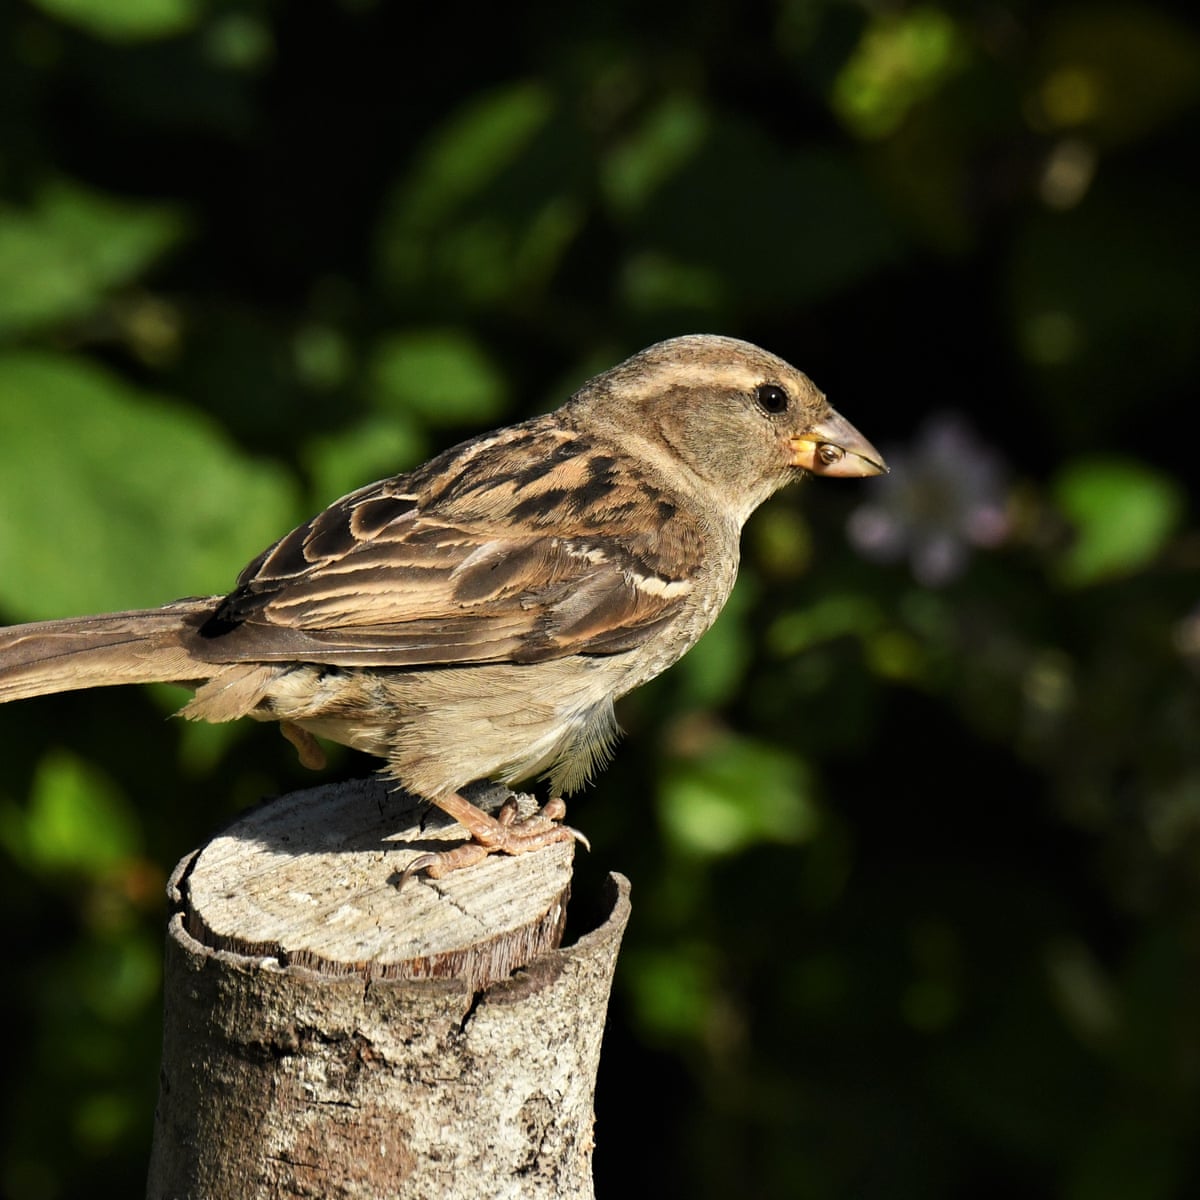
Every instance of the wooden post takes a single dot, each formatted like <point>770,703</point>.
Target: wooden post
<point>328,1036</point>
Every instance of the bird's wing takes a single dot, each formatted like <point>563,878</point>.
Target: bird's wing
<point>529,544</point>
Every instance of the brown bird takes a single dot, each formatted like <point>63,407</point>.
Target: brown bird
<point>476,618</point>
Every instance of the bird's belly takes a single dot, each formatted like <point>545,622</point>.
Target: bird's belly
<point>440,730</point>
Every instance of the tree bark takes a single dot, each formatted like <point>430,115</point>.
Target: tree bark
<point>326,1035</point>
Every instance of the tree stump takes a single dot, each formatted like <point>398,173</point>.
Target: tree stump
<point>326,1035</point>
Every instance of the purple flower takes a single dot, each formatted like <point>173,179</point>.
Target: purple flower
<point>946,493</point>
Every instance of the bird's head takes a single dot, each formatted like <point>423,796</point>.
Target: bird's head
<point>743,421</point>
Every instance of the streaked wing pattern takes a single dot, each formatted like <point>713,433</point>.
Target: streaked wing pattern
<point>448,564</point>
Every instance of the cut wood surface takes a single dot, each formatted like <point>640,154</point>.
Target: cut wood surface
<point>327,1035</point>
<point>310,880</point>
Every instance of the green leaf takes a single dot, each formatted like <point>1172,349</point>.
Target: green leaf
<point>59,256</point>
<point>113,498</point>
<point>1123,512</point>
<point>118,977</point>
<point>372,449</point>
<point>76,819</point>
<point>669,134</point>
<point>443,375</point>
<point>902,59</point>
<point>126,20</point>
<point>471,148</point>
<point>843,614</point>
<point>735,794</point>
<point>673,990</point>
<point>240,41</point>
<point>489,208</point>
<point>656,283</point>
<point>101,1119</point>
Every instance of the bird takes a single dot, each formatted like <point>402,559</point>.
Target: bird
<point>477,617</point>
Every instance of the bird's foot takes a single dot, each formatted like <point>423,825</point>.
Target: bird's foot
<point>502,834</point>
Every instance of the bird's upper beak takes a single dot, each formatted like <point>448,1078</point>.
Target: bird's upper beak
<point>834,447</point>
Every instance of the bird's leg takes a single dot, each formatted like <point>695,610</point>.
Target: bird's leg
<point>308,749</point>
<point>501,834</point>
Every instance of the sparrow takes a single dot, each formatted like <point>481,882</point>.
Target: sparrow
<point>477,617</point>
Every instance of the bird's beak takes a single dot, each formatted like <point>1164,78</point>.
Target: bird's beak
<point>834,447</point>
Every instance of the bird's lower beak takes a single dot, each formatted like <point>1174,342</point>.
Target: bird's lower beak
<point>834,447</point>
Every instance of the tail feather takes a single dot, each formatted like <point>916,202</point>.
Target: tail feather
<point>144,646</point>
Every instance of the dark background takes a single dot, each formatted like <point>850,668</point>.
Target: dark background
<point>914,834</point>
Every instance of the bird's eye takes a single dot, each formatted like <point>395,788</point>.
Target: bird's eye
<point>771,397</point>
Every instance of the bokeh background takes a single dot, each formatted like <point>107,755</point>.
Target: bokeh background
<point>915,833</point>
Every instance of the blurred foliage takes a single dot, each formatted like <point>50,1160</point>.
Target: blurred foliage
<point>916,846</point>
<point>1123,514</point>
<point>103,487</point>
<point>59,257</point>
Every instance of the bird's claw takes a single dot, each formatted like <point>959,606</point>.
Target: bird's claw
<point>502,834</point>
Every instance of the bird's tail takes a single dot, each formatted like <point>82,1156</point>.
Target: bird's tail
<point>147,646</point>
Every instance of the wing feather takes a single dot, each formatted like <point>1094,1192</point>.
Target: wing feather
<point>521,546</point>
